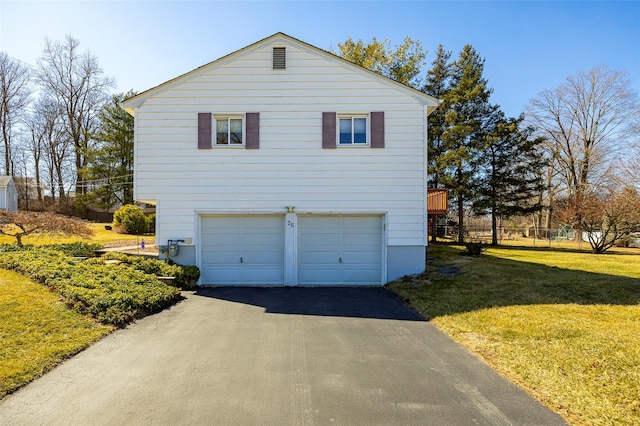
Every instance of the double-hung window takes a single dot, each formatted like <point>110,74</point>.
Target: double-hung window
<point>229,131</point>
<point>353,130</point>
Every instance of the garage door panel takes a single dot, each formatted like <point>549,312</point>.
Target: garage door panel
<point>321,240</point>
<point>362,223</point>
<point>265,258</point>
<point>361,276</point>
<point>318,257</point>
<point>220,223</point>
<point>319,276</point>
<point>361,258</point>
<point>361,239</point>
<point>261,239</point>
<point>319,224</point>
<point>221,258</point>
<point>220,275</point>
<point>221,242</point>
<point>261,275</point>
<point>256,223</point>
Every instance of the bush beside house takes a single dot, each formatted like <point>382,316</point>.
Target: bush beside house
<point>130,219</point>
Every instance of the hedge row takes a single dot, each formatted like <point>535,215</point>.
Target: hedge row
<point>185,276</point>
<point>113,294</point>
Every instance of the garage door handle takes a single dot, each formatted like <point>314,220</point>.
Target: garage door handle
<point>241,260</point>
<point>340,259</point>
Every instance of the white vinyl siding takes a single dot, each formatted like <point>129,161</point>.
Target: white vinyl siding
<point>290,168</point>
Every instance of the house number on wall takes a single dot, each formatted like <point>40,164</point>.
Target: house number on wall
<point>290,223</point>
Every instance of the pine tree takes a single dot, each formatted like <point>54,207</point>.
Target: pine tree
<point>438,84</point>
<point>111,163</point>
<point>466,118</point>
<point>510,165</point>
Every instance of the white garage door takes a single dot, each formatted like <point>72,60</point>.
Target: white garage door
<point>340,250</point>
<point>242,250</point>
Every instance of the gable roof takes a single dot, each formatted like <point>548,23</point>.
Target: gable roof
<point>4,181</point>
<point>130,104</point>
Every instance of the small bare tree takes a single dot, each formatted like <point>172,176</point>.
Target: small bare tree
<point>606,216</point>
<point>14,97</point>
<point>21,224</point>
<point>76,82</point>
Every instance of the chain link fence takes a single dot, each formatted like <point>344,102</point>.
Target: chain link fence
<point>561,237</point>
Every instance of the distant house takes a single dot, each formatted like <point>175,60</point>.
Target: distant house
<point>283,164</point>
<point>8,194</point>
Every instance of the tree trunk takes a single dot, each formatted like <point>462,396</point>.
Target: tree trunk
<point>38,188</point>
<point>494,227</point>
<point>7,144</point>
<point>460,219</point>
<point>434,224</point>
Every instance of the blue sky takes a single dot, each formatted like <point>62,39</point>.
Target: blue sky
<point>528,46</point>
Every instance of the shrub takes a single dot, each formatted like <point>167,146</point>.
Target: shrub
<point>130,219</point>
<point>472,249</point>
<point>113,294</point>
<point>80,249</point>
<point>184,275</point>
<point>151,223</point>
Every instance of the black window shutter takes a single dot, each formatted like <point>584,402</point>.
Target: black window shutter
<point>328,130</point>
<point>204,130</point>
<point>377,129</point>
<point>253,130</point>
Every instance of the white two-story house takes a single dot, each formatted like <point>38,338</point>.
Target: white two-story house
<point>283,164</point>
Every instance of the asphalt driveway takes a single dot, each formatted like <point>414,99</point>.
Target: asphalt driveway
<point>276,356</point>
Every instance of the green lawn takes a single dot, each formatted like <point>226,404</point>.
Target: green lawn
<point>100,236</point>
<point>563,324</point>
<point>37,331</point>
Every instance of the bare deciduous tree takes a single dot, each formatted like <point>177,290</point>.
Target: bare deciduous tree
<point>14,97</point>
<point>76,82</point>
<point>631,160</point>
<point>586,123</point>
<point>50,147</point>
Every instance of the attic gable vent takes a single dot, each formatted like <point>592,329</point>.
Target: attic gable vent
<point>279,58</point>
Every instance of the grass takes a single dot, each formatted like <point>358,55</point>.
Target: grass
<point>563,324</point>
<point>36,331</point>
<point>100,235</point>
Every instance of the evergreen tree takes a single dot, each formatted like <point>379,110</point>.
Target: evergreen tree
<point>466,120</point>
<point>438,84</point>
<point>111,164</point>
<point>511,162</point>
